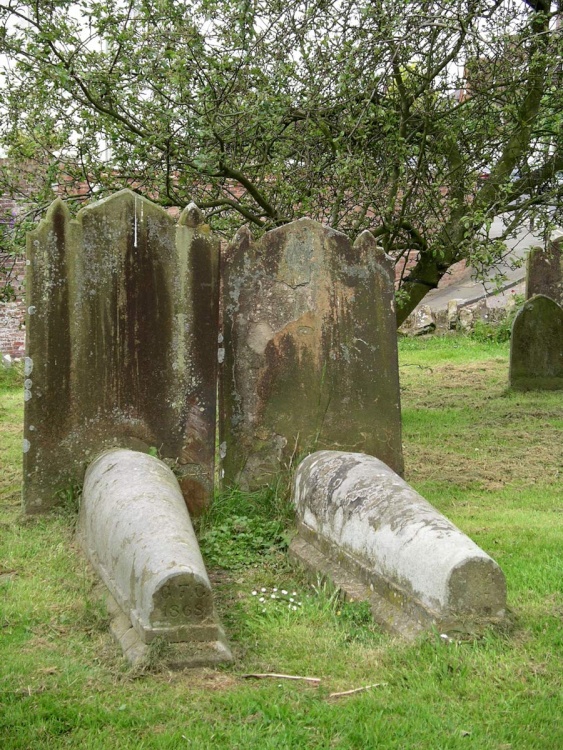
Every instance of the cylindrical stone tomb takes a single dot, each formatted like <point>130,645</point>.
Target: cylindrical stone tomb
<point>136,531</point>
<point>354,511</point>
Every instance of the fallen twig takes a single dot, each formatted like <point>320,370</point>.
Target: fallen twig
<point>274,676</point>
<point>357,690</point>
<point>421,367</point>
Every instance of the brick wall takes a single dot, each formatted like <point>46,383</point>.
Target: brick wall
<point>12,313</point>
<point>12,273</point>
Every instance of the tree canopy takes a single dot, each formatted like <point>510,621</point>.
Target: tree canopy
<point>420,120</point>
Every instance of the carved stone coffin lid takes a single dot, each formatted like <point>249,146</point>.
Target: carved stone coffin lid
<point>137,533</point>
<point>371,515</point>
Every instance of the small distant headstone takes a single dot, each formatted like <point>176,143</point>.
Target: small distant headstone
<point>7,361</point>
<point>122,325</point>
<point>310,354</point>
<point>544,273</point>
<point>536,346</point>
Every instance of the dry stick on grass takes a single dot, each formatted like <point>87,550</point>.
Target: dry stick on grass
<point>274,676</point>
<point>357,690</point>
<point>420,367</point>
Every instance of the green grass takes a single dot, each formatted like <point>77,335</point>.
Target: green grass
<point>489,459</point>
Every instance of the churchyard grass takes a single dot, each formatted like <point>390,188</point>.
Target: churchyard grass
<point>488,458</point>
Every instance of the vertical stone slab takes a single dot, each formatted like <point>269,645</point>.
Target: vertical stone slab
<point>310,355</point>
<point>47,366</point>
<point>198,330</point>
<point>544,271</point>
<point>536,346</point>
<point>121,303</point>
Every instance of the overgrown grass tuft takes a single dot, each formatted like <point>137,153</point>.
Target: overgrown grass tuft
<point>488,458</point>
<point>11,377</point>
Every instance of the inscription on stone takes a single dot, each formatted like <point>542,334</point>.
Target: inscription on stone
<point>188,601</point>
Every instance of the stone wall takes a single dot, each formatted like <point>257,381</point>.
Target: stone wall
<point>12,291</point>
<point>12,311</point>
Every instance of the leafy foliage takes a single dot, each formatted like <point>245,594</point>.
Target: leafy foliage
<point>241,541</point>
<point>243,529</point>
<point>420,121</point>
<point>497,332</point>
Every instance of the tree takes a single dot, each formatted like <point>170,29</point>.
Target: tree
<point>360,113</point>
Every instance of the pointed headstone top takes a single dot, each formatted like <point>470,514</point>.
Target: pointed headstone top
<point>191,216</point>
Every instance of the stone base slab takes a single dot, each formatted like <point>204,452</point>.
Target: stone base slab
<point>394,611</point>
<point>175,656</point>
<point>391,618</point>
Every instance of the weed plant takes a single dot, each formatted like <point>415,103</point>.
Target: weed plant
<point>487,457</point>
<point>500,331</point>
<point>243,529</point>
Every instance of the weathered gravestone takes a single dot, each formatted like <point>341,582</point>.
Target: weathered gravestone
<point>544,272</point>
<point>361,525</point>
<point>136,531</point>
<point>121,343</point>
<point>536,346</point>
<point>310,350</point>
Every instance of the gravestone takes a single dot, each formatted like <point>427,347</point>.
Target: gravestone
<point>544,271</point>
<point>536,346</point>
<point>310,351</point>
<point>378,540</point>
<point>122,324</point>
<point>136,531</point>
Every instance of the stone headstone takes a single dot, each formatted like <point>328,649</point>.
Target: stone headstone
<point>536,346</point>
<point>310,351</point>
<point>544,272</point>
<point>122,323</point>
<point>136,531</point>
<point>380,541</point>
